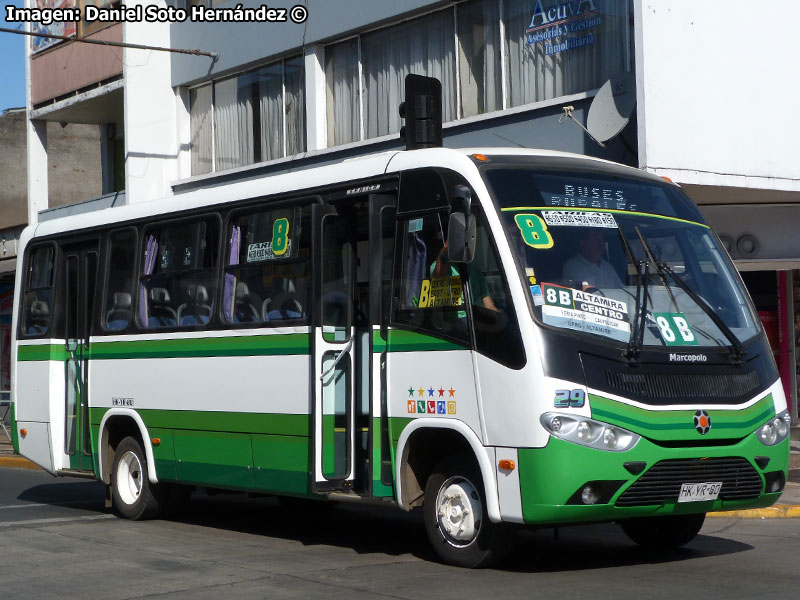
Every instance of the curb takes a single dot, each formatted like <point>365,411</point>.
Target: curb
<point>779,511</point>
<point>17,462</point>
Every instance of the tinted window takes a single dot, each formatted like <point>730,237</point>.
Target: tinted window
<point>178,280</point>
<point>117,310</point>
<point>267,266</point>
<point>37,301</point>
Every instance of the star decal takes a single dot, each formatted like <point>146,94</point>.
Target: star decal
<point>421,391</point>
<point>452,392</point>
<point>430,392</point>
<point>410,391</point>
<point>441,392</point>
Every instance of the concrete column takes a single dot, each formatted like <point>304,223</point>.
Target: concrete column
<point>37,149</point>
<point>151,128</point>
<point>316,98</point>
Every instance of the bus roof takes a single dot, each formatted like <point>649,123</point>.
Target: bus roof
<point>352,169</point>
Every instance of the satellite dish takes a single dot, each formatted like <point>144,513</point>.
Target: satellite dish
<point>611,108</point>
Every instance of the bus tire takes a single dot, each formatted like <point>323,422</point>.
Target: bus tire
<point>456,520</point>
<point>134,497</point>
<point>664,533</point>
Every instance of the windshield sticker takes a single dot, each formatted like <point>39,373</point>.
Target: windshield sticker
<point>574,218</point>
<point>263,251</point>
<point>675,329</point>
<point>536,293</point>
<point>529,274</point>
<point>441,291</point>
<point>591,313</point>
<point>534,231</point>
<point>414,225</point>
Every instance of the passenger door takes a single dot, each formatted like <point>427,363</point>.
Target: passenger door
<point>80,285</point>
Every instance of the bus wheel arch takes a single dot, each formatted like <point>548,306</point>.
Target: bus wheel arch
<point>424,444</point>
<point>117,424</point>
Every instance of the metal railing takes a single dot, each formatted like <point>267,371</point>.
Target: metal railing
<point>5,409</point>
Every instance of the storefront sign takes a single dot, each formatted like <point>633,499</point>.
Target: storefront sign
<point>564,26</point>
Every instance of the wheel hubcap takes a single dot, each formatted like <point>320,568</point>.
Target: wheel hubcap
<point>459,511</point>
<point>129,478</point>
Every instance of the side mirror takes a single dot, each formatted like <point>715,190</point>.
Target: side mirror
<point>461,238</point>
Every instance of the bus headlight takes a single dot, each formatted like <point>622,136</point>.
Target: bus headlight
<point>588,432</point>
<point>775,430</point>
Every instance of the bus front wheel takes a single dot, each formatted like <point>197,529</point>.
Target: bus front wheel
<point>664,533</point>
<point>133,495</point>
<point>455,516</point>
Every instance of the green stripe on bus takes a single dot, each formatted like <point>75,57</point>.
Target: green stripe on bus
<point>676,424</point>
<point>255,345</point>
<point>604,210</point>
<point>233,422</point>
<point>42,352</point>
<point>410,341</point>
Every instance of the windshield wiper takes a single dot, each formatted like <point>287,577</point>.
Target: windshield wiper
<point>737,348</point>
<point>640,312</point>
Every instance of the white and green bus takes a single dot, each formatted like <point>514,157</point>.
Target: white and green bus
<point>500,337</point>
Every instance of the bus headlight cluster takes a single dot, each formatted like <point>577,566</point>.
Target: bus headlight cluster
<point>775,430</point>
<point>588,432</point>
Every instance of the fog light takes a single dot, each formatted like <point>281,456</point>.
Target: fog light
<point>588,495</point>
<point>584,431</point>
<point>555,424</point>
<point>768,434</point>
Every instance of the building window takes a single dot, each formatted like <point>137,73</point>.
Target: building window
<point>540,65</point>
<point>479,66</point>
<point>248,118</point>
<point>488,54</point>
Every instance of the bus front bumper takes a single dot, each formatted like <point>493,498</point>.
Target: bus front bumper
<point>645,480</point>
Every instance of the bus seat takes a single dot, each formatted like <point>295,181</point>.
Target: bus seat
<point>245,305</point>
<point>161,313</point>
<point>119,315</point>
<point>196,310</point>
<point>282,303</point>
<point>39,317</point>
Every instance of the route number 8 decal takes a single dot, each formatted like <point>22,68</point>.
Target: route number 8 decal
<point>280,236</point>
<point>534,231</point>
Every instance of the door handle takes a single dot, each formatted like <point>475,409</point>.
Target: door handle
<point>336,360</point>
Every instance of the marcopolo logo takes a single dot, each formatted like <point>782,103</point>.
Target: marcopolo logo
<point>693,358</point>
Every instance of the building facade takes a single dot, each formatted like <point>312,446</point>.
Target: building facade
<point>325,84</point>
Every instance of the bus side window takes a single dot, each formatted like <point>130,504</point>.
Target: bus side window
<point>178,281</point>
<point>38,298</point>
<point>429,296</point>
<point>266,263</point>
<point>494,320</point>
<point>117,308</point>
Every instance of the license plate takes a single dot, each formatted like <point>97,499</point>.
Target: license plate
<point>699,492</point>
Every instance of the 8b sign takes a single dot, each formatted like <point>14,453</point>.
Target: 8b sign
<point>675,329</point>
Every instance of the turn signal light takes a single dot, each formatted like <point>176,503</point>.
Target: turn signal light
<point>156,441</point>
<point>23,432</point>
<point>506,465</point>
<point>480,157</point>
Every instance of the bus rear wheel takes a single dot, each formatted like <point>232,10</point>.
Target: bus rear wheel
<point>664,533</point>
<point>133,495</point>
<point>456,520</point>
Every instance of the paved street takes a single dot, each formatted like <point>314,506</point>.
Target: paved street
<point>56,541</point>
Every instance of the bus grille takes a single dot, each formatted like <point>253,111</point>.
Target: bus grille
<point>684,385</point>
<point>662,483</point>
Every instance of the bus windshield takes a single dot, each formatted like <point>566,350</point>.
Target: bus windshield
<point>621,258</point>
